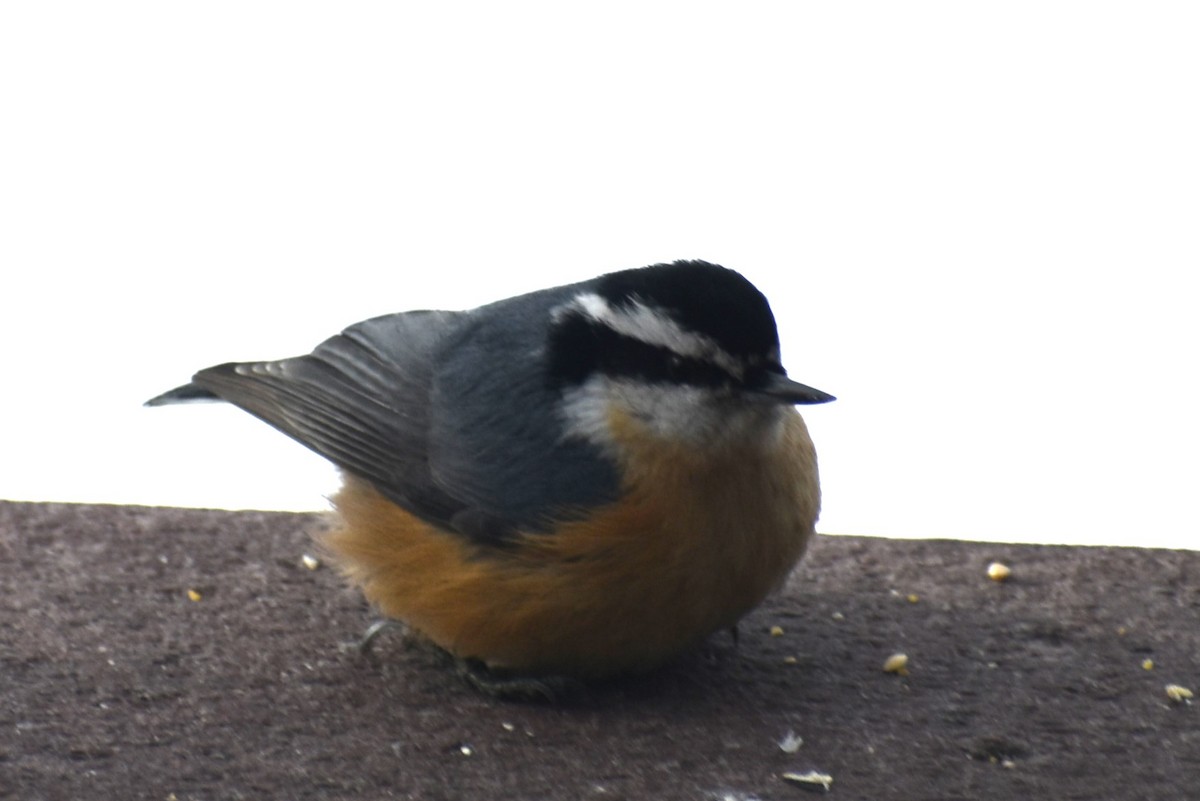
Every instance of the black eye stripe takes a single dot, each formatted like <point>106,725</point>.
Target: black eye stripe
<point>624,356</point>
<point>582,347</point>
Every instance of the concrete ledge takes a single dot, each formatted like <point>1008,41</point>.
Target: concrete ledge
<point>115,683</point>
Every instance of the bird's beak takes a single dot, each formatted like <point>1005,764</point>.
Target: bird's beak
<point>781,389</point>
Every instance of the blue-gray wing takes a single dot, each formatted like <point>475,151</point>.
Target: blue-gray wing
<point>360,399</point>
<point>496,434</point>
<point>445,413</point>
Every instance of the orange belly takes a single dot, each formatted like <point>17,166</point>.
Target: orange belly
<point>691,547</point>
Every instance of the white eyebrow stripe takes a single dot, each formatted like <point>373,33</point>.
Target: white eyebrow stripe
<point>655,327</point>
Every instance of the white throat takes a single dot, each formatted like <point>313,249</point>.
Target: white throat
<point>700,417</point>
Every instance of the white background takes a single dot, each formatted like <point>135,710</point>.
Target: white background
<point>977,224</point>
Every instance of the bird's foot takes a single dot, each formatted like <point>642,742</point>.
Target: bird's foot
<point>511,686</point>
<point>363,644</point>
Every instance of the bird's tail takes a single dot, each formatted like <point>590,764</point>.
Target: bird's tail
<point>183,394</point>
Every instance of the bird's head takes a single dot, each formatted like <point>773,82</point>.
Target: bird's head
<point>688,350</point>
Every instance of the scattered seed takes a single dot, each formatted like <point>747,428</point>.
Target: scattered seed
<point>998,571</point>
<point>310,561</point>
<point>790,743</point>
<point>1148,664</point>
<point>1180,695</point>
<point>896,663</point>
<point>811,780</point>
<point>193,595</point>
<point>776,631</point>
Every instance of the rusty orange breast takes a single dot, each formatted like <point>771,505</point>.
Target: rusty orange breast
<point>697,541</point>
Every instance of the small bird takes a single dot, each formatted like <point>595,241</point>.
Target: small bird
<point>581,481</point>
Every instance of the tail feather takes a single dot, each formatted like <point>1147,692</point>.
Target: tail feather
<point>184,394</point>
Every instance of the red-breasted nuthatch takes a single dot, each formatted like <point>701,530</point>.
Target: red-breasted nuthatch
<point>579,481</point>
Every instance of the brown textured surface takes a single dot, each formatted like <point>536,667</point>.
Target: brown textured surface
<point>113,684</point>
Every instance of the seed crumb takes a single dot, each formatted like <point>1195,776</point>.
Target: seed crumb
<point>896,663</point>
<point>998,571</point>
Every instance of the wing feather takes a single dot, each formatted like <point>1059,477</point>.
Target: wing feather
<point>446,413</point>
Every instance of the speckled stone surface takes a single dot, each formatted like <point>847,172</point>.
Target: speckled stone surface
<point>116,683</point>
